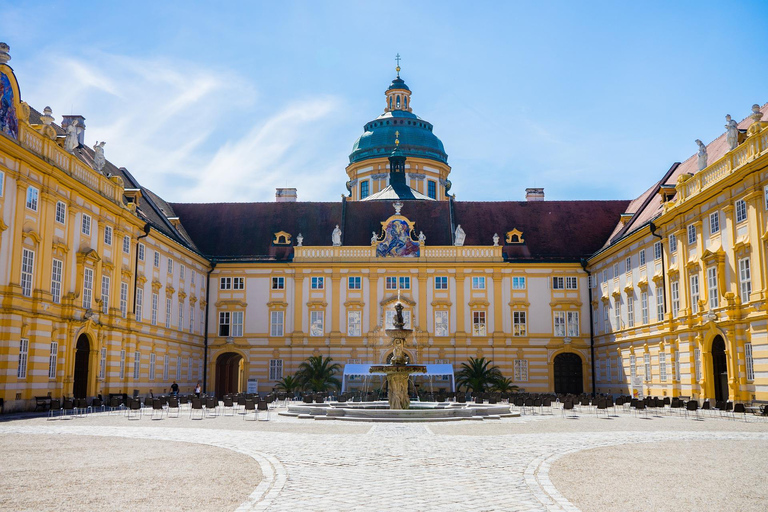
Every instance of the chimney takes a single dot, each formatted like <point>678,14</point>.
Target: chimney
<point>285,195</point>
<point>80,126</point>
<point>534,194</point>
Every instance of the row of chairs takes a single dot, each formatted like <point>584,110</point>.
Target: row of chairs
<point>69,408</point>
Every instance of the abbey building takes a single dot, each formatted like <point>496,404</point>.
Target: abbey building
<point>108,288</point>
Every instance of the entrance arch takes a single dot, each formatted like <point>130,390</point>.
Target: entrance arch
<point>229,373</point>
<point>568,374</point>
<point>82,360</point>
<point>719,369</point>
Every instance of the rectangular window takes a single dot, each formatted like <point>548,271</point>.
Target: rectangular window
<point>126,244</point>
<point>122,364</point>
<point>647,363</point>
<point>691,234</point>
<point>182,271</point>
<point>628,265</point>
<point>749,361</point>
<point>714,299</point>
<point>442,328</point>
<point>714,223</point>
<point>21,370</point>
<point>318,283</point>
<point>441,282</point>
<point>317,323</point>
<point>105,294</point>
<point>672,244</point>
<point>598,375</point>
<point>56,270</point>
<point>695,293</point>
<point>741,210</point>
<point>189,368</point>
<point>432,189</point>
<point>180,325</point>
<point>191,318</point>
<point>124,299</point>
<point>745,280</point>
<point>521,370</point>
<point>32,194</point>
<point>657,251</point>
<point>697,363</point>
<point>606,318</point>
<point>390,283</point>
<point>53,360</point>
<point>573,323</point>
<point>86,225</point>
<point>405,283</point>
<point>238,283</point>
<point>61,212</point>
<point>675,292</point>
<point>641,258</point>
<point>141,251</point>
<point>644,306</point>
<point>166,364</point>
<point>615,270</point>
<point>659,304</point>
<point>225,283</point>
<point>617,312</point>
<point>354,320</point>
<point>27,270</point>
<point>157,259</point>
<point>518,283</point>
<point>478,323</point>
<point>571,283</point>
<point>136,364</point>
<point>170,266</point>
<point>155,305</point>
<point>87,288</point>
<point>354,283</point>
<point>519,325</point>
<point>364,189</point>
<point>608,370</point>
<point>478,283</point>
<point>632,366</point>
<point>765,194</point>
<point>103,363</point>
<point>630,311</point>
<point>275,369</point>
<point>224,322</point>
<point>2,183</point>
<point>108,235</point>
<point>168,304</point>
<point>237,324</point>
<point>152,364</point>
<point>558,283</point>
<point>178,367</point>
<point>560,323</point>
<point>662,367</point>
<point>675,365</point>
<point>139,304</point>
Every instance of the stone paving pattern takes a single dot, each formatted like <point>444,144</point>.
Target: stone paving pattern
<point>463,466</point>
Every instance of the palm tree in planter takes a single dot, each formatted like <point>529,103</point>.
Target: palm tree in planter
<point>289,384</point>
<point>477,375</point>
<point>504,385</point>
<point>317,373</point>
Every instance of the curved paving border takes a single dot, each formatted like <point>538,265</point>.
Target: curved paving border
<point>273,473</point>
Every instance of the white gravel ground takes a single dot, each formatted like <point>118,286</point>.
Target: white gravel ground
<point>70,472</point>
<point>669,476</point>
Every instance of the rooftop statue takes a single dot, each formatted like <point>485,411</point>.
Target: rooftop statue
<point>422,238</point>
<point>336,236</point>
<point>702,155</point>
<point>495,239</point>
<point>98,156</point>
<point>732,135</point>
<point>299,240</point>
<point>460,236</point>
<point>374,238</point>
<point>71,142</point>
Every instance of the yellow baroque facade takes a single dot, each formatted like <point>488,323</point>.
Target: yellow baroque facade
<point>107,288</point>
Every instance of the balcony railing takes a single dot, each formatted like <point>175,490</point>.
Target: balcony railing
<point>364,253</point>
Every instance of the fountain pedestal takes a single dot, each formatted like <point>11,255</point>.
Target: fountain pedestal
<point>397,382</point>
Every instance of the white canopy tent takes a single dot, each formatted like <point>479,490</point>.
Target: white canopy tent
<point>433,370</point>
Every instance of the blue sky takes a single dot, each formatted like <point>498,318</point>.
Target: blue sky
<point>590,100</point>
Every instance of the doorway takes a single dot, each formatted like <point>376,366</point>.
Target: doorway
<point>229,373</point>
<point>568,374</point>
<point>719,369</point>
<point>82,358</point>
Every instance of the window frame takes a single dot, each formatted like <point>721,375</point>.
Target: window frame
<point>478,282</point>
<point>317,283</point>
<point>105,285</point>
<point>695,291</point>
<point>745,279</point>
<point>519,323</point>
<point>155,306</point>
<point>354,283</point>
<point>658,250</point>
<point>60,216</point>
<point>275,370</point>
<point>238,324</point>
<point>23,362</point>
<point>108,235</point>
<point>712,288</point>
<point>124,299</point>
<point>674,291</point>
<point>740,211</point>
<point>445,322</point>
<point>33,198</point>
<point>168,312</point>
<point>277,323</point>
<point>53,360</point>
<point>692,234</point>
<point>404,282</point>
<point>714,223</point>
<point>225,283</point>
<point>317,323</point>
<point>225,324</point>
<point>87,288</point>
<point>141,251</point>
<point>354,328</point>
<point>57,279</point>
<point>85,224</point>
<point>519,283</point>
<point>479,323</point>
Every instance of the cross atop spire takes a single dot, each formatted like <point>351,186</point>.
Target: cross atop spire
<point>397,59</point>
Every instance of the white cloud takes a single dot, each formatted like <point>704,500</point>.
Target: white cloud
<point>188,132</point>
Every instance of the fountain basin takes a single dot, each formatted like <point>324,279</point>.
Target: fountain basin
<point>380,411</point>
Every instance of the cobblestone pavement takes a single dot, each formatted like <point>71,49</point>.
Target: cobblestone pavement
<point>405,467</point>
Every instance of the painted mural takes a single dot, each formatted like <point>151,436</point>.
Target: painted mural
<point>8,121</point>
<point>397,240</point>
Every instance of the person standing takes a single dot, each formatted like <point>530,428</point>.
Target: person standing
<point>198,389</point>
<point>174,388</point>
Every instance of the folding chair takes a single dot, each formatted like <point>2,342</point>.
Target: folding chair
<point>134,408</point>
<point>69,405</point>
<point>262,407</point>
<point>250,406</point>
<point>568,406</point>
<point>173,406</point>
<point>739,409</point>
<point>55,407</point>
<point>692,406</point>
<point>157,409</point>
<point>211,407</point>
<point>228,404</point>
<point>602,405</point>
<point>197,405</point>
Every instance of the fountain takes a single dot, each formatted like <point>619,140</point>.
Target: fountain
<point>398,372</point>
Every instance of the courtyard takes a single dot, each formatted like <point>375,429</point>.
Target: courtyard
<point>579,461</point>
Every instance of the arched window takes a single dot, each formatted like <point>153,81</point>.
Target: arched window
<point>390,103</point>
<point>405,102</point>
<point>398,101</point>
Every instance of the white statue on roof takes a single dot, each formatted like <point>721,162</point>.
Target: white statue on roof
<point>460,236</point>
<point>702,155</point>
<point>495,239</point>
<point>336,236</point>
<point>732,134</point>
<point>374,238</point>
<point>299,240</point>
<point>98,156</point>
<point>71,142</point>
<point>422,238</point>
